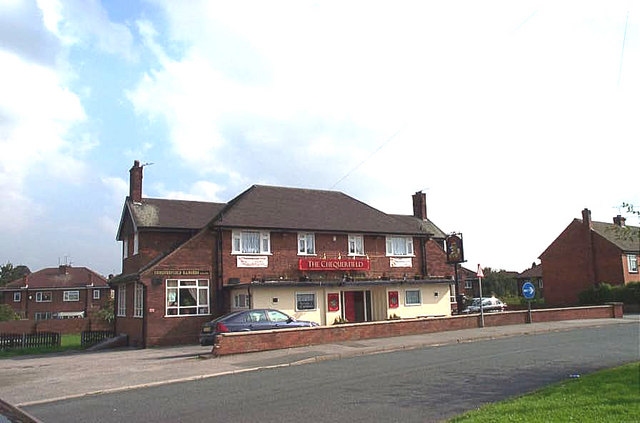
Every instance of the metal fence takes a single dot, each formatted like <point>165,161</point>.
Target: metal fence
<point>89,338</point>
<point>29,340</point>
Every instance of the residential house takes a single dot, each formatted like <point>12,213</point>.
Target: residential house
<point>533,275</point>
<point>57,293</point>
<point>317,255</point>
<point>587,253</point>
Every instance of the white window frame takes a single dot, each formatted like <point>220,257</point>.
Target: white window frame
<point>125,248</point>
<point>178,291</point>
<point>392,241</point>
<point>468,284</point>
<point>43,296</point>
<point>315,301</point>
<point>241,300</point>
<point>17,297</point>
<point>452,293</point>
<point>632,262</point>
<point>356,245</point>
<point>306,244</point>
<point>122,300</point>
<point>42,315</point>
<point>238,247</point>
<point>413,303</point>
<point>96,294</point>
<point>71,296</point>
<point>138,299</point>
<point>136,243</point>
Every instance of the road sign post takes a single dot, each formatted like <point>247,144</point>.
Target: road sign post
<point>529,292</point>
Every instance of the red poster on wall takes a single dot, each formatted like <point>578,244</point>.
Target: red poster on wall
<point>393,299</point>
<point>333,302</point>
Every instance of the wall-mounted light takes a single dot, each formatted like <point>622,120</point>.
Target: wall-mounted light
<point>436,294</point>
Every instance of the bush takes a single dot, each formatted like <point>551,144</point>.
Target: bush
<point>7,313</point>
<point>604,293</point>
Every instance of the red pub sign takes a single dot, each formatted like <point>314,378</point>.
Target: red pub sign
<point>324,264</point>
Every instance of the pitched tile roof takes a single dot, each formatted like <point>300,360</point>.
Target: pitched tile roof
<point>270,207</point>
<point>626,238</point>
<point>60,277</point>
<point>532,272</point>
<point>173,214</point>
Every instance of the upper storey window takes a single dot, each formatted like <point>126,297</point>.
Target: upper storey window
<point>356,245</point>
<point>251,242</point>
<point>306,244</point>
<point>399,246</point>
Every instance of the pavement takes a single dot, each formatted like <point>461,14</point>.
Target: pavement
<point>39,379</point>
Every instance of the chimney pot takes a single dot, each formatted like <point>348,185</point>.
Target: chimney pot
<point>420,205</point>
<point>586,218</point>
<point>620,221</point>
<point>135,182</point>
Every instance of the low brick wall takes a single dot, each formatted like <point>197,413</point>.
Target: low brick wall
<point>244,342</point>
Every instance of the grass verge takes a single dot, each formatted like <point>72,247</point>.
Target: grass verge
<point>67,342</point>
<point>611,395</point>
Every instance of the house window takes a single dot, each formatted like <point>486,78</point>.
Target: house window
<point>17,296</point>
<point>42,315</point>
<point>632,260</point>
<point>468,284</point>
<point>125,248</point>
<point>250,242</point>
<point>306,244</point>
<point>187,297</point>
<point>540,284</point>
<point>241,301</point>
<point>43,297</point>
<point>356,245</point>
<point>96,294</point>
<point>412,297</point>
<point>122,300</point>
<point>452,293</point>
<point>305,301</point>
<point>399,246</point>
<point>136,243</point>
<point>138,299</point>
<point>71,296</point>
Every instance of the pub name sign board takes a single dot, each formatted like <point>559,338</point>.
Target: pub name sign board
<point>326,264</point>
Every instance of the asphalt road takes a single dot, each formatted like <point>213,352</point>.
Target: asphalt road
<point>419,385</point>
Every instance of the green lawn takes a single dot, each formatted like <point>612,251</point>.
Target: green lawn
<point>606,396</point>
<point>67,342</point>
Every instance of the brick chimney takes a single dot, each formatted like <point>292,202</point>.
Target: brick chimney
<point>420,205</point>
<point>586,218</point>
<point>63,269</point>
<point>135,182</point>
<point>620,221</point>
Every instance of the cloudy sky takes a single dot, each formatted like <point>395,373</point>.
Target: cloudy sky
<point>511,116</point>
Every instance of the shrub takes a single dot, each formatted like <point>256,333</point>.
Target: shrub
<point>603,293</point>
<point>7,313</point>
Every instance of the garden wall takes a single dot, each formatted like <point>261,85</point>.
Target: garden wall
<point>237,343</point>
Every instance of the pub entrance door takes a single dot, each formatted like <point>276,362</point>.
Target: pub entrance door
<point>356,306</point>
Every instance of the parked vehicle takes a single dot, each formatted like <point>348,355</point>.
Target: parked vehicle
<point>249,320</point>
<point>489,304</point>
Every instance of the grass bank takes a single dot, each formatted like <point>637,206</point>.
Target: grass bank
<point>607,396</point>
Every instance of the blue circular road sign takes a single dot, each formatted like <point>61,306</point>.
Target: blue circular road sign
<point>528,290</point>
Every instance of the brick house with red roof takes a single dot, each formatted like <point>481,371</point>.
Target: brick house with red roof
<point>57,293</point>
<point>315,254</point>
<point>587,253</point>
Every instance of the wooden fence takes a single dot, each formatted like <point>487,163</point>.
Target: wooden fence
<point>29,340</point>
<point>89,338</point>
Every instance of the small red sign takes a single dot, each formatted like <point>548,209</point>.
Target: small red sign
<point>324,264</point>
<point>393,299</point>
<point>333,301</point>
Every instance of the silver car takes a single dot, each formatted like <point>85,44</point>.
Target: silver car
<point>489,304</point>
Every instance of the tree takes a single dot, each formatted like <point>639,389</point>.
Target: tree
<point>499,283</point>
<point>7,313</point>
<point>10,273</point>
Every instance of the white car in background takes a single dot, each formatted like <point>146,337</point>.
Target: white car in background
<point>489,305</point>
